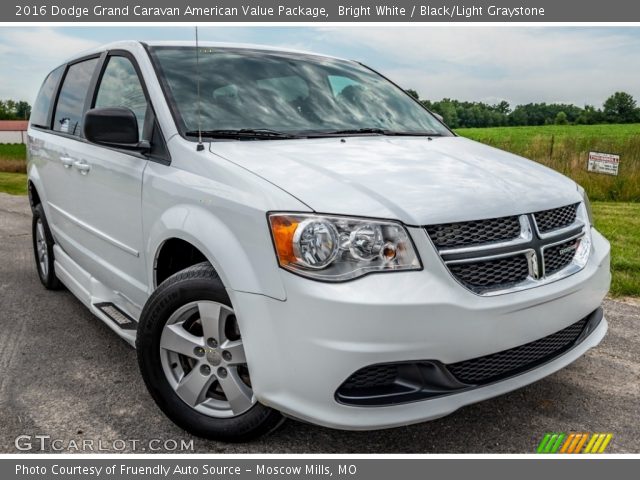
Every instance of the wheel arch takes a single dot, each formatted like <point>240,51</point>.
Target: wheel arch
<point>35,188</point>
<point>172,256</point>
<point>239,266</point>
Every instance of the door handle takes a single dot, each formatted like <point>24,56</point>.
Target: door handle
<point>82,167</point>
<point>67,161</point>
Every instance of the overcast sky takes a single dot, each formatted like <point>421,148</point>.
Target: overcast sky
<point>519,64</point>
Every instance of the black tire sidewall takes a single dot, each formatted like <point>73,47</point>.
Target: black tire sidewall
<point>196,283</point>
<point>50,281</point>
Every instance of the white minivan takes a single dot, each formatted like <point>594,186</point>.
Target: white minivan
<point>282,233</point>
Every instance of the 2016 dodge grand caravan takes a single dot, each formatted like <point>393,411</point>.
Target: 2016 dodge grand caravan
<point>282,233</point>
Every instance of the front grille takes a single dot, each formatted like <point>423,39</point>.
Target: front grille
<point>461,234</point>
<point>491,274</point>
<point>510,362</point>
<point>374,376</point>
<point>559,256</point>
<point>500,255</point>
<point>548,220</point>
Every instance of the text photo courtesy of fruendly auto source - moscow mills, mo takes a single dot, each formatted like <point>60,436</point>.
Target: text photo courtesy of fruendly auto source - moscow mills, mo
<point>380,250</point>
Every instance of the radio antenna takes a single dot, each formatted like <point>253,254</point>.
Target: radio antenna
<point>200,146</point>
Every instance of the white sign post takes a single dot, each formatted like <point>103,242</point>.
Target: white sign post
<point>603,163</point>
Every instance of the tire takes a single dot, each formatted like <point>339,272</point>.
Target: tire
<point>182,364</point>
<point>43,250</point>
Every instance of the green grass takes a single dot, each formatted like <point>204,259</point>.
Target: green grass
<point>566,149</point>
<point>13,157</point>
<point>13,183</point>
<point>620,223</point>
<point>13,151</point>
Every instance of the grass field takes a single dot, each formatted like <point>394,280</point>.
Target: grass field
<point>13,157</point>
<point>620,224</point>
<point>13,183</point>
<point>566,149</point>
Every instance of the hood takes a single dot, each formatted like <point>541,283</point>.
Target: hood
<point>412,179</point>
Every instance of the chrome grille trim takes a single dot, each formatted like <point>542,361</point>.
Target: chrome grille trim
<point>525,236</point>
<point>531,243</point>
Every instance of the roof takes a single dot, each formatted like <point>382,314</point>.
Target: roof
<point>245,46</point>
<point>133,44</point>
<point>13,125</point>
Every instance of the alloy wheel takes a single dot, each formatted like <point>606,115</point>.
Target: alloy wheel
<point>203,358</point>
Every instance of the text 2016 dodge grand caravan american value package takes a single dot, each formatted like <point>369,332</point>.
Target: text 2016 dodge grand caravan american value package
<point>294,235</point>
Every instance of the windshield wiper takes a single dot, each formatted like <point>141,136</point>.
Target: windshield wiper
<point>262,133</point>
<point>351,131</point>
<point>381,131</point>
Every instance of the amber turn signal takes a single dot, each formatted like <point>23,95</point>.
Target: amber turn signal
<point>283,228</point>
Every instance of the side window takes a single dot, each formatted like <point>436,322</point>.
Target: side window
<point>121,87</point>
<point>40,112</point>
<point>70,106</point>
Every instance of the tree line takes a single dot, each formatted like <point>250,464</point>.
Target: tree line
<point>14,110</point>
<point>620,107</point>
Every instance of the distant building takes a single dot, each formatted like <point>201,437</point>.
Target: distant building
<point>13,131</point>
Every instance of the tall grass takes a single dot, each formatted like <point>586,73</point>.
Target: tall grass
<point>566,149</point>
<point>13,157</point>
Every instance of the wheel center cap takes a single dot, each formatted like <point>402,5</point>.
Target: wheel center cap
<point>213,356</point>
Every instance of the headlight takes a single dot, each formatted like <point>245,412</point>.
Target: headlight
<point>335,249</point>
<point>587,204</point>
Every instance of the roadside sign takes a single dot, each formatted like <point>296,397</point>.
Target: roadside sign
<point>603,163</point>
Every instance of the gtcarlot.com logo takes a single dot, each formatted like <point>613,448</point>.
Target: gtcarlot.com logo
<point>574,443</point>
<point>45,443</point>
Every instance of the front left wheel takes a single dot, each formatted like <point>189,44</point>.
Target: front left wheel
<point>191,355</point>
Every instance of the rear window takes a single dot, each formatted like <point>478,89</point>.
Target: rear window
<point>42,106</point>
<point>70,106</point>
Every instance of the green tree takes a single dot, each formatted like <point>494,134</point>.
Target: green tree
<point>413,93</point>
<point>621,108</point>
<point>12,110</point>
<point>503,107</point>
<point>561,118</point>
<point>23,110</point>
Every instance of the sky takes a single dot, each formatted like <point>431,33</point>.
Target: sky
<point>579,65</point>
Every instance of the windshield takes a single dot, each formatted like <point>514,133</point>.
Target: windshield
<point>275,92</point>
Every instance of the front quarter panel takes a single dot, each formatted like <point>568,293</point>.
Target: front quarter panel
<point>219,208</point>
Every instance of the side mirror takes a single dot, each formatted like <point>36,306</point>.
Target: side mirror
<point>438,116</point>
<point>113,127</point>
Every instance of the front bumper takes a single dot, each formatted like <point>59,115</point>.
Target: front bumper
<point>301,350</point>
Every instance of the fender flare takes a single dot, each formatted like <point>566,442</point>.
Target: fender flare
<point>239,269</point>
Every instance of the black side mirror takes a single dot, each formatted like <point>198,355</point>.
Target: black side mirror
<point>113,127</point>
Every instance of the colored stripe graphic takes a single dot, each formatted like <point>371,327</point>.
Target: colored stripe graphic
<point>565,447</point>
<point>543,443</point>
<point>581,443</point>
<point>574,443</point>
<point>605,443</point>
<point>556,446</point>
<point>550,443</point>
<point>590,444</point>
